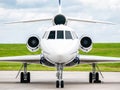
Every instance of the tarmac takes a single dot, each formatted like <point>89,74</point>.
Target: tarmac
<point>45,80</point>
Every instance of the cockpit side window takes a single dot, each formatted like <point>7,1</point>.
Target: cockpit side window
<point>51,35</point>
<point>45,35</point>
<point>74,35</point>
<point>60,35</point>
<point>68,35</point>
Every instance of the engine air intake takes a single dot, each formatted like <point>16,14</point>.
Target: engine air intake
<point>33,43</point>
<point>86,42</point>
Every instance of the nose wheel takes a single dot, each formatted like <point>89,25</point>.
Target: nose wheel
<point>59,82</point>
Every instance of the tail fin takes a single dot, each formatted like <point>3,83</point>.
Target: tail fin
<point>60,11</point>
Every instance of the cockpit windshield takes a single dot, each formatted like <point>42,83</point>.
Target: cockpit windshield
<point>51,35</point>
<point>68,35</point>
<point>60,34</point>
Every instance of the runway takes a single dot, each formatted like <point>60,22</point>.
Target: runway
<point>45,80</point>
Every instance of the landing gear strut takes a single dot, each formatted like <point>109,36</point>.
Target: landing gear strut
<point>59,82</point>
<point>94,76</point>
<point>25,76</point>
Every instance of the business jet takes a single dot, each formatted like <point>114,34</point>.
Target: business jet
<point>60,47</point>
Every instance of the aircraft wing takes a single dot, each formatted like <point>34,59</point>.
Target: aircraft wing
<point>24,59</point>
<point>97,59</point>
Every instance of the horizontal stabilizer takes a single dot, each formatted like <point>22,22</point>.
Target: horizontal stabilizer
<point>29,21</point>
<point>90,21</point>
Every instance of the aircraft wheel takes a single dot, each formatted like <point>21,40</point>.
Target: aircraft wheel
<point>62,84</point>
<point>28,77</point>
<point>97,78</point>
<point>57,84</point>
<point>21,78</point>
<point>90,77</point>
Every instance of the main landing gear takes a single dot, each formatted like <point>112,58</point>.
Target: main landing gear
<point>25,76</point>
<point>59,82</point>
<point>94,76</point>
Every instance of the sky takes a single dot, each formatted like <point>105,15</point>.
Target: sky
<point>101,10</point>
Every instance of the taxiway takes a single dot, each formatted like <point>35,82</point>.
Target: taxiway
<point>45,80</point>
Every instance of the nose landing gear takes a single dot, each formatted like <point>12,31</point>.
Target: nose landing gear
<point>59,74</point>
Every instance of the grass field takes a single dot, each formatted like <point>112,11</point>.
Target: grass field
<point>103,49</point>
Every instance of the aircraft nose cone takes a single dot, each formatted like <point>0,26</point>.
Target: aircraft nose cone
<point>60,57</point>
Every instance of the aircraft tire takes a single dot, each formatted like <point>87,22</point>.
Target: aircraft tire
<point>21,78</point>
<point>57,84</point>
<point>28,77</point>
<point>62,84</point>
<point>90,77</point>
<point>97,76</point>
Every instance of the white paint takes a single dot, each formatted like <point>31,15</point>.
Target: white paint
<point>59,50</point>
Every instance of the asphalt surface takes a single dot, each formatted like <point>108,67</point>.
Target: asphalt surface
<point>45,80</point>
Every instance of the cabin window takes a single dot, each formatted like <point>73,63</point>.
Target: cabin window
<point>68,35</point>
<point>60,35</point>
<point>51,35</point>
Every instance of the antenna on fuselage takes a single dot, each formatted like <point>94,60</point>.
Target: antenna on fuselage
<point>60,11</point>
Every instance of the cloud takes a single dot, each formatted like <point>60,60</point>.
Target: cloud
<point>31,2</point>
<point>22,14</point>
<point>102,4</point>
<point>34,9</point>
<point>15,14</point>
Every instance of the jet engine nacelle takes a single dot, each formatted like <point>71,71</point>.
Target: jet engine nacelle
<point>33,43</point>
<point>85,43</point>
<point>59,19</point>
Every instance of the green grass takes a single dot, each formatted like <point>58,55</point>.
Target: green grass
<point>15,50</point>
<point>103,49</point>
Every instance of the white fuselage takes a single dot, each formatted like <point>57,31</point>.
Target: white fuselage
<point>59,50</point>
